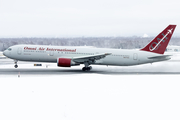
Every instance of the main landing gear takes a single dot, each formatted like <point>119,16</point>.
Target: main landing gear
<point>86,67</point>
<point>15,62</point>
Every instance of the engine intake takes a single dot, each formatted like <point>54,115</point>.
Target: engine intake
<point>65,62</point>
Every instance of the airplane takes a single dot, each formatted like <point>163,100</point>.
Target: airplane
<point>67,56</point>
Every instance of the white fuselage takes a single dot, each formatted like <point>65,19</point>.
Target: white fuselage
<point>42,53</point>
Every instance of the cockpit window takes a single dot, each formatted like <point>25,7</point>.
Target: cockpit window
<point>9,49</point>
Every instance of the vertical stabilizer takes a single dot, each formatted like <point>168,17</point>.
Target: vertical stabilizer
<point>160,42</point>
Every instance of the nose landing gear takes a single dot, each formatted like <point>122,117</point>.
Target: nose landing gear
<point>15,62</point>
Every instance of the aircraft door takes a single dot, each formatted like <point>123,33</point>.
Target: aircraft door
<point>19,51</point>
<point>51,53</point>
<point>135,56</point>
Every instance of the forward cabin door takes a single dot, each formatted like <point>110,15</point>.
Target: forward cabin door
<point>19,51</point>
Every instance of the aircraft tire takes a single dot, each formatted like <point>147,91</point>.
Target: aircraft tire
<point>86,68</point>
<point>83,69</point>
<point>16,66</point>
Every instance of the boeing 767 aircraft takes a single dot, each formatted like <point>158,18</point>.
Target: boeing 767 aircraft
<point>67,56</point>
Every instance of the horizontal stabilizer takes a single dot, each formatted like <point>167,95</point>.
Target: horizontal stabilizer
<point>165,57</point>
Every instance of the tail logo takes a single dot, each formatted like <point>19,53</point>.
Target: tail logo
<point>157,45</point>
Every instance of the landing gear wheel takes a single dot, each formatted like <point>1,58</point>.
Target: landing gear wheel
<point>16,66</point>
<point>83,69</point>
<point>86,68</point>
<point>15,62</point>
<point>90,67</point>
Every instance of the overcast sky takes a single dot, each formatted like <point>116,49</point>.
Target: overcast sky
<point>68,18</point>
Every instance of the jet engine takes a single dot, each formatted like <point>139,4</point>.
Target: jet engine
<point>66,62</point>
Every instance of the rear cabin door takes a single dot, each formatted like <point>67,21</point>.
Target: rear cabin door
<point>135,56</point>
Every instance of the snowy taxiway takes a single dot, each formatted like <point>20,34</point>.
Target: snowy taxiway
<point>105,93</point>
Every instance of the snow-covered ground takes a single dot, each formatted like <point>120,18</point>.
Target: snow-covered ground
<point>92,96</point>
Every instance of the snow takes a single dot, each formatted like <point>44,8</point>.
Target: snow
<point>92,96</point>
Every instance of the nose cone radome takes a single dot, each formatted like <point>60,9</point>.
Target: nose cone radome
<point>5,53</point>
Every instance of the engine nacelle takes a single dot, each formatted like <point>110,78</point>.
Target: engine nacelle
<point>65,62</point>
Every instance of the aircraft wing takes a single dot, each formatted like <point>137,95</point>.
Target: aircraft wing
<point>90,58</point>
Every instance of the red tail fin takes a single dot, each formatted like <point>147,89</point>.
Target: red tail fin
<point>160,42</point>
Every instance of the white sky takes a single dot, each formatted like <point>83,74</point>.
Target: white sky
<point>59,18</point>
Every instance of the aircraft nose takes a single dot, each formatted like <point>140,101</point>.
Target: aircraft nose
<point>5,53</point>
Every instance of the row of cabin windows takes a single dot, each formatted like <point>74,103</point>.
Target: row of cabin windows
<point>59,52</point>
<point>78,53</point>
<point>120,55</point>
<point>34,51</point>
<point>93,54</point>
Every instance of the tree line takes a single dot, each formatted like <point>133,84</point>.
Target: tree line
<point>100,42</point>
